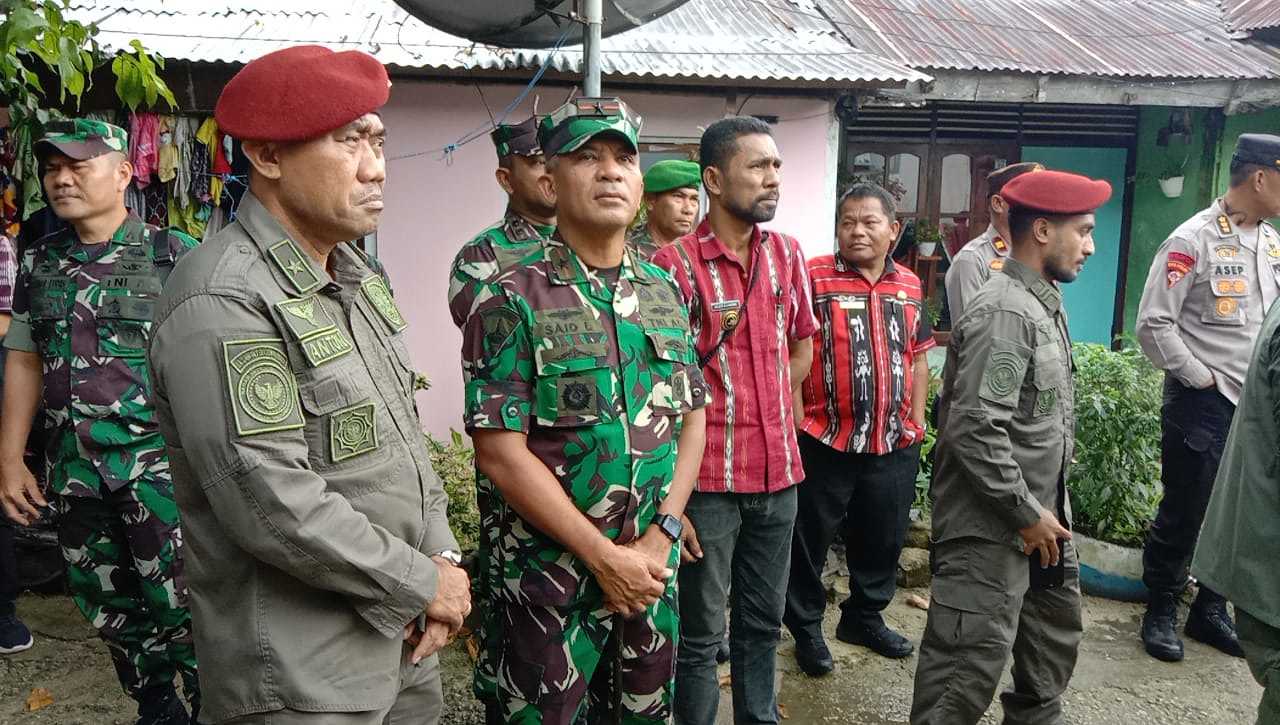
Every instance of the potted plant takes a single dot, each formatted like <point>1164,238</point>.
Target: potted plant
<point>1172,178</point>
<point>927,239</point>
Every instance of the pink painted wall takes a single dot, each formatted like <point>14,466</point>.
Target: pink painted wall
<point>434,206</point>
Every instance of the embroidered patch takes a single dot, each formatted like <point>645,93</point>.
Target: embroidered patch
<point>1226,251</point>
<point>1005,370</point>
<point>263,390</point>
<point>498,323</point>
<point>558,321</point>
<point>577,395</point>
<point>1273,251</point>
<point>375,291</point>
<point>1179,265</point>
<point>1226,307</point>
<point>315,329</point>
<point>289,258</point>
<point>997,264</point>
<point>1046,401</point>
<point>1224,225</point>
<point>352,431</point>
<point>1230,287</point>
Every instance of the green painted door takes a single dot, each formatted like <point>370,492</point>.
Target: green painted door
<point>1091,299</point>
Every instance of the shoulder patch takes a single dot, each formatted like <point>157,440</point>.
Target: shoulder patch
<point>1004,372</point>
<point>263,389</point>
<point>1179,265</point>
<point>996,264</point>
<point>498,323</point>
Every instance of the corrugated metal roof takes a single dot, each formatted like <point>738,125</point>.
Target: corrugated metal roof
<point>1119,38</point>
<point>1245,15</point>
<point>707,39</point>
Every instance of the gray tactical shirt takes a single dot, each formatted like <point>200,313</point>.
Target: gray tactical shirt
<point>1007,418</point>
<point>1208,290</point>
<point>972,266</point>
<point>309,507</point>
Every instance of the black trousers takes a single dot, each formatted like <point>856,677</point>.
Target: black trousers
<point>1194,426</point>
<point>869,497</point>
<point>8,570</point>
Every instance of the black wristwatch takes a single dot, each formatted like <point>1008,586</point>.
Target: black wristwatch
<point>669,525</point>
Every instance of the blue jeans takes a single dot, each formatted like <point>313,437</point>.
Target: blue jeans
<point>746,543</point>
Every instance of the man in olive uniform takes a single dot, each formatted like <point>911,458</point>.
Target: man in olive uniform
<point>77,349</point>
<point>584,404</point>
<point>1005,577</point>
<point>1238,546</point>
<point>323,572</point>
<point>973,265</point>
<point>671,205</point>
<point>1209,288</point>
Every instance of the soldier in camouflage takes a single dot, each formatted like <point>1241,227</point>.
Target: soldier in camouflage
<point>530,218</point>
<point>671,205</point>
<point>584,401</point>
<point>81,323</point>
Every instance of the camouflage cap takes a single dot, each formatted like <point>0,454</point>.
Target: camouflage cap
<point>81,138</point>
<point>520,139</point>
<point>582,119</point>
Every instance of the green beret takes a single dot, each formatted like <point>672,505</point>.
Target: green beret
<point>672,174</point>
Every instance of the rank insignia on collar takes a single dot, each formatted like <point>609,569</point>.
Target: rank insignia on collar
<point>295,266</point>
<point>1224,225</point>
<point>1001,245</point>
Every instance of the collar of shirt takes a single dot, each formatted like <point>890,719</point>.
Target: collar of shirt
<point>564,266</point>
<point>998,244</point>
<point>1048,294</point>
<point>519,229</point>
<point>291,263</point>
<point>890,269</point>
<point>131,233</point>
<point>710,246</point>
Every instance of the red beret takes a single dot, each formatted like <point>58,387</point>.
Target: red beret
<point>1056,192</point>
<point>300,93</point>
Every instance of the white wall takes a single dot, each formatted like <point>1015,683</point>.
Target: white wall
<point>434,205</point>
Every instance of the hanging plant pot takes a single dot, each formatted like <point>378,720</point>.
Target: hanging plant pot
<point>927,249</point>
<point>1172,186</point>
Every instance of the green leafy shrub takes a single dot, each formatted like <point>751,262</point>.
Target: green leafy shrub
<point>454,463</point>
<point>1115,480</point>
<point>922,503</point>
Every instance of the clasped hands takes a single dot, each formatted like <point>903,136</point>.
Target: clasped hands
<point>443,617</point>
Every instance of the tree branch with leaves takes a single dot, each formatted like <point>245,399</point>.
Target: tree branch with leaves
<point>40,46</point>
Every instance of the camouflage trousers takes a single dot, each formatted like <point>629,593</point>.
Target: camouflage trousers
<point>584,664</point>
<point>124,570</point>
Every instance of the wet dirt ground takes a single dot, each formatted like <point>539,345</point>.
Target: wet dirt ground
<point>1115,682</point>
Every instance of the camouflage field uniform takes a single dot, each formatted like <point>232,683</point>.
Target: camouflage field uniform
<point>479,261</point>
<point>641,240</point>
<point>599,379</point>
<point>86,310</point>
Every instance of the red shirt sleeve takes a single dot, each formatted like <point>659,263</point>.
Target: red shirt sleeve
<point>803,323</point>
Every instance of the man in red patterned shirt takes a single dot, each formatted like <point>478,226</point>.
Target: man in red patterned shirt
<point>751,316</point>
<point>864,405</point>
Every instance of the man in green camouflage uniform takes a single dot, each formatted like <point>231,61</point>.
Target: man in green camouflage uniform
<point>584,399</point>
<point>82,319</point>
<point>671,205</point>
<point>529,218</point>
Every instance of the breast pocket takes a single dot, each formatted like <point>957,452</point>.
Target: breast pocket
<point>670,394</point>
<point>1227,297</point>
<point>124,326</point>
<point>575,391</point>
<point>347,428</point>
<point>1042,396</point>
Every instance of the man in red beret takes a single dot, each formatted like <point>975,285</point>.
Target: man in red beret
<point>322,570</point>
<point>1006,579</point>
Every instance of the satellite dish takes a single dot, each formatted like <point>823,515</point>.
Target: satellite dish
<point>529,23</point>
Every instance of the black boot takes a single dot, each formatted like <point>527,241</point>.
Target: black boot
<point>812,654</point>
<point>1160,627</point>
<point>160,705</point>
<point>875,635</point>
<point>1210,623</point>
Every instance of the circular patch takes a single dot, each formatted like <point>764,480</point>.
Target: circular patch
<point>1226,306</point>
<point>730,320</point>
<point>353,431</point>
<point>1004,372</point>
<point>1239,287</point>
<point>267,389</point>
<point>576,396</point>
